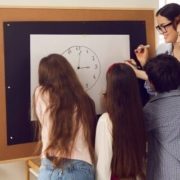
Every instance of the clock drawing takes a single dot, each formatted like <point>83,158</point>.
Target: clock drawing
<point>86,64</point>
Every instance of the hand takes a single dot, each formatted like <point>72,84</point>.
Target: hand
<point>139,73</point>
<point>131,63</point>
<point>142,54</point>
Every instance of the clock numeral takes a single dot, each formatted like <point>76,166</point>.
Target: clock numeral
<point>79,53</point>
<point>86,85</point>
<point>77,48</point>
<point>87,51</point>
<point>93,58</point>
<point>69,51</point>
<point>95,66</point>
<point>94,76</point>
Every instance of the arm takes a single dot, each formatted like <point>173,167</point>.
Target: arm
<point>142,54</point>
<point>139,73</point>
<point>103,148</point>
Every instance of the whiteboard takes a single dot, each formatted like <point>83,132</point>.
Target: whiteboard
<point>104,49</point>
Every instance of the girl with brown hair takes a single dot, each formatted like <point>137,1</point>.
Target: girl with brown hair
<point>67,119</point>
<point>120,133</point>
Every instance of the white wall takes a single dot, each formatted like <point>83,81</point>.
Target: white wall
<point>16,170</point>
<point>83,3</point>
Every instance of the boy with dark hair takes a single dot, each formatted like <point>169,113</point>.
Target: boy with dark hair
<point>162,118</point>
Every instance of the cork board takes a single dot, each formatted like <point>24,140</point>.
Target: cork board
<point>20,145</point>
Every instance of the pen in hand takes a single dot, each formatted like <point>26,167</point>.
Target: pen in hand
<point>141,48</point>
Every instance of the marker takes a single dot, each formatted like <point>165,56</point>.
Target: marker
<point>140,49</point>
<point>145,46</point>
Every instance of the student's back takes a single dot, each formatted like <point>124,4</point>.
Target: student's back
<point>162,117</point>
<point>120,137</point>
<point>67,118</point>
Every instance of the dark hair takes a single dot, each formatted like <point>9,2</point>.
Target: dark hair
<point>177,21</point>
<point>124,106</point>
<point>171,11</point>
<point>69,105</point>
<point>163,72</point>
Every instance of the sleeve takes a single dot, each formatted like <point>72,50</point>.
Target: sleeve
<point>149,118</point>
<point>103,149</point>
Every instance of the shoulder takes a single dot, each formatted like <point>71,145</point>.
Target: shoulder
<point>104,122</point>
<point>41,96</point>
<point>104,118</point>
<point>164,48</point>
<point>37,91</point>
<point>147,108</point>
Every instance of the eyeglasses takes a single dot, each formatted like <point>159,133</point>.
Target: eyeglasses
<point>162,28</point>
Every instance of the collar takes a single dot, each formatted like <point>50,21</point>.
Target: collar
<point>169,48</point>
<point>171,93</point>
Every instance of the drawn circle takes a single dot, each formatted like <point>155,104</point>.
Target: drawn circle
<point>86,64</point>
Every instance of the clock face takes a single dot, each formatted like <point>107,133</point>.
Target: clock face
<point>86,64</point>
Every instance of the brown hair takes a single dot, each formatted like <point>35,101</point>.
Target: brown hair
<point>171,11</point>
<point>177,21</point>
<point>125,110</point>
<point>69,105</point>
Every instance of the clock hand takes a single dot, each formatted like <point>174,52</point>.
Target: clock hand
<point>87,67</point>
<point>78,67</point>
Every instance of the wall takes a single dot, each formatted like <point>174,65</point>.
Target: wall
<point>15,170</point>
<point>82,3</point>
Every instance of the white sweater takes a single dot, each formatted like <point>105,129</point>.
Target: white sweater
<point>103,147</point>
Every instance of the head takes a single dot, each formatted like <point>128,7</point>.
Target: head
<point>163,72</point>
<point>123,104</point>
<point>53,71</point>
<point>69,105</point>
<point>166,20</point>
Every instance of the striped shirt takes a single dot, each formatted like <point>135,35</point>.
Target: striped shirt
<point>162,119</point>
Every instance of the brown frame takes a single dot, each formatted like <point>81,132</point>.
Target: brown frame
<point>43,14</point>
